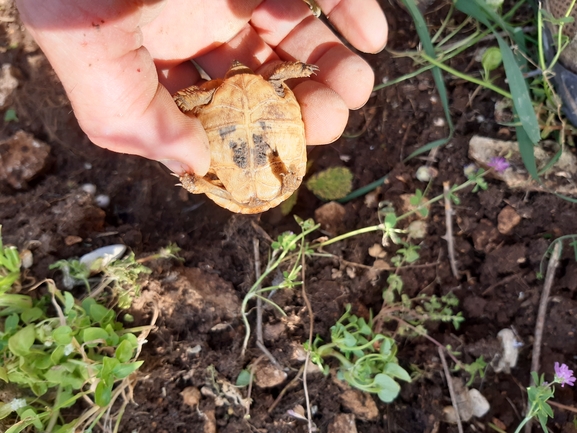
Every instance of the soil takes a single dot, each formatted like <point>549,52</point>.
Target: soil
<point>199,332</point>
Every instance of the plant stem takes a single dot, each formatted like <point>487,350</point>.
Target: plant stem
<point>466,77</point>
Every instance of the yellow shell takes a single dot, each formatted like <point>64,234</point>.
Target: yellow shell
<point>256,135</point>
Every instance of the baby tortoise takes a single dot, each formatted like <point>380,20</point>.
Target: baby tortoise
<point>256,136</point>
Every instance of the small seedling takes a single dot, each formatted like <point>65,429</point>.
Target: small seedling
<point>543,391</point>
<point>367,360</point>
<point>289,247</point>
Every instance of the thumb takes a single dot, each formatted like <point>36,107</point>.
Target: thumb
<point>112,82</point>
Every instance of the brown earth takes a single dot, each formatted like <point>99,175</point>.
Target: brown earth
<point>199,324</point>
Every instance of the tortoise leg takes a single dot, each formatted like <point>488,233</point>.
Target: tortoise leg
<point>190,98</point>
<point>287,70</point>
<point>199,185</point>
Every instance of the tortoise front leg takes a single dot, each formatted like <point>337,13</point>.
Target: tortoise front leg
<point>192,97</point>
<point>287,70</point>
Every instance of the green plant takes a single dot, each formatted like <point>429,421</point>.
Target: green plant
<point>412,313</point>
<point>331,184</point>
<point>58,351</point>
<point>367,360</point>
<point>281,250</point>
<point>541,391</point>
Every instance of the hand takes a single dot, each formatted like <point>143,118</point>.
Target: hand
<point>120,60</point>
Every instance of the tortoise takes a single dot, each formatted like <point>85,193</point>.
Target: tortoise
<point>256,136</point>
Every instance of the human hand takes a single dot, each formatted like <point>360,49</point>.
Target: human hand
<point>120,60</point>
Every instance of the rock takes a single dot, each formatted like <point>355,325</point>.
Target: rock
<point>191,396</point>
<point>268,375</point>
<point>331,217</point>
<point>560,178</point>
<point>470,402</point>
<point>360,403</point>
<point>377,251</point>
<point>343,423</point>
<point>508,219</point>
<point>22,158</point>
<point>8,83</point>
<point>510,351</point>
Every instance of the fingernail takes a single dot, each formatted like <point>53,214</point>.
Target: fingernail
<point>175,166</point>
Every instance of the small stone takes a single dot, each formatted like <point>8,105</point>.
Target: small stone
<point>26,258</point>
<point>507,220</point>
<point>89,188</point>
<point>268,375</point>
<point>22,158</point>
<point>360,403</point>
<point>102,200</point>
<point>72,240</point>
<point>191,396</point>
<point>377,251</point>
<point>8,83</point>
<point>343,423</point>
<point>331,217</point>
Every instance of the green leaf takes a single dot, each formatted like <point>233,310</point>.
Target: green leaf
<point>68,302</point>
<point>243,378</point>
<point>389,389</point>
<point>491,60</point>
<point>57,354</point>
<point>11,323</point>
<point>93,334</point>
<point>123,370</point>
<point>33,417</point>
<point>103,394</point>
<point>3,374</point>
<point>124,351</point>
<point>395,370</point>
<point>331,184</point>
<point>21,342</point>
<point>131,338</point>
<point>62,335</point>
<point>108,365</point>
<point>390,221</point>
<point>10,115</point>
<point>31,314</point>
<point>101,314</point>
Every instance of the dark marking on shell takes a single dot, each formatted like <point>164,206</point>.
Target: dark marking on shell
<point>277,166</point>
<point>260,151</point>
<point>239,153</point>
<point>223,132</point>
<point>263,125</point>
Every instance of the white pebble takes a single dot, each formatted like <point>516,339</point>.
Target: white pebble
<point>439,121</point>
<point>102,200</point>
<point>90,188</point>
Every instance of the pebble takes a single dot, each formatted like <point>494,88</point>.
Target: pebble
<point>343,423</point>
<point>331,217</point>
<point>22,158</point>
<point>8,83</point>
<point>507,220</point>
<point>268,375</point>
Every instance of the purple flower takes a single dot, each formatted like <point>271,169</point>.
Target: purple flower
<point>564,375</point>
<point>499,163</point>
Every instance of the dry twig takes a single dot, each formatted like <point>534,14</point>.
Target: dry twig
<point>259,337</point>
<point>451,390</point>
<point>311,325</point>
<point>541,315</point>
<point>449,235</point>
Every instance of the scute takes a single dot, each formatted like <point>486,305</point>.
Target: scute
<point>256,137</point>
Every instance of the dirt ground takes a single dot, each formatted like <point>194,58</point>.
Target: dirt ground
<point>199,332</point>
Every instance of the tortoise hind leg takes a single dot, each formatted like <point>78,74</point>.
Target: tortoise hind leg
<point>287,70</point>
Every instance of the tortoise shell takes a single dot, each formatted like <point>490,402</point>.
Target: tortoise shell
<point>256,136</point>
